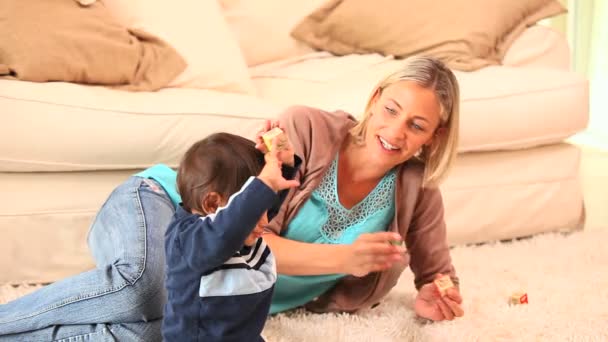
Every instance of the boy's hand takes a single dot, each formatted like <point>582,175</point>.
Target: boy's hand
<point>284,147</point>
<point>271,174</point>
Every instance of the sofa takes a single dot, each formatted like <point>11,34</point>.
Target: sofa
<point>64,146</point>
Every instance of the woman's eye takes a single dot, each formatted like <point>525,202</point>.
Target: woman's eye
<point>390,110</point>
<point>417,127</point>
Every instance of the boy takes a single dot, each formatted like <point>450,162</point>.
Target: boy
<point>220,273</point>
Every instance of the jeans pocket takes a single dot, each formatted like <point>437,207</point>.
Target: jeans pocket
<point>117,238</point>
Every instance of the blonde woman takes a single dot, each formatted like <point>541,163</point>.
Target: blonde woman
<point>363,185</point>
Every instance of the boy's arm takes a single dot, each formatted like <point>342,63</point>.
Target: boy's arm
<point>289,173</point>
<point>211,240</point>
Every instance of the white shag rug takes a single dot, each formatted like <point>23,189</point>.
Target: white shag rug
<point>565,277</point>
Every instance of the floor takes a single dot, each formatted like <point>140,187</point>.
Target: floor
<point>565,295</point>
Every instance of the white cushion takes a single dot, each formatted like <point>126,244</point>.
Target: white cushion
<point>44,220</point>
<point>504,194</point>
<point>63,126</point>
<point>539,46</point>
<point>263,27</point>
<point>198,30</point>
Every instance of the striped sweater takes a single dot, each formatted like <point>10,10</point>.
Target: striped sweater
<point>215,293</point>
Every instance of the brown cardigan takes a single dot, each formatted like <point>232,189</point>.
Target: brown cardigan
<point>316,137</point>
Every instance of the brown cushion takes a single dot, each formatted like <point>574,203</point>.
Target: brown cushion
<point>465,34</point>
<point>59,40</point>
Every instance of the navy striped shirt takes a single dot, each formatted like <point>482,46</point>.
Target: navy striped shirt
<point>217,289</point>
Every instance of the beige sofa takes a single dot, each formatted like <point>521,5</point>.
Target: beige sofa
<point>64,147</point>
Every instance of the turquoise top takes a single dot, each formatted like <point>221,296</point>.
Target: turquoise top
<point>166,177</point>
<point>323,219</point>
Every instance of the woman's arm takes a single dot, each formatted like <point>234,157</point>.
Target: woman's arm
<point>426,240</point>
<point>300,258</point>
<point>369,253</point>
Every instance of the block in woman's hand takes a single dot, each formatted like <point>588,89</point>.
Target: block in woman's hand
<point>443,284</point>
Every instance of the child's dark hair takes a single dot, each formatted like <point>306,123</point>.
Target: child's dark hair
<point>222,162</point>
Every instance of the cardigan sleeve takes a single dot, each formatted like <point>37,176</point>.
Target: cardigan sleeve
<point>297,124</point>
<point>426,239</point>
<point>315,136</point>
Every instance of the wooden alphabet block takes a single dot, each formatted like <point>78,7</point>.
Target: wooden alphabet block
<point>443,284</point>
<point>518,298</point>
<point>268,136</point>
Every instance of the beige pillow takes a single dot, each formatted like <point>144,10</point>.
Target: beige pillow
<point>270,22</point>
<point>199,32</point>
<point>59,40</point>
<point>466,34</point>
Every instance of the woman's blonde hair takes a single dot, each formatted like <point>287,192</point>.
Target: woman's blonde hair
<point>431,74</point>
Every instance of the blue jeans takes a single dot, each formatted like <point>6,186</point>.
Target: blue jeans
<point>122,299</point>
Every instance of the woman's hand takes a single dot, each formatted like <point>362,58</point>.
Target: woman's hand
<point>431,305</point>
<point>286,153</point>
<point>373,252</point>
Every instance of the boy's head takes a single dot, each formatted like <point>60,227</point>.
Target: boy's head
<point>215,168</point>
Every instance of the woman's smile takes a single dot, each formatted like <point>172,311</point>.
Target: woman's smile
<point>387,146</point>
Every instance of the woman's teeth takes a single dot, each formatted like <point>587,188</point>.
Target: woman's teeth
<point>386,145</point>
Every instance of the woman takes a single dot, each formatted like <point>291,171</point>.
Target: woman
<point>359,180</point>
<point>362,185</point>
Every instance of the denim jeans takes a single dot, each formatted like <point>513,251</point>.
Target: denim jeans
<point>122,299</point>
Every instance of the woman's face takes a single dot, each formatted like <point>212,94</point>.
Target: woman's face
<point>404,117</point>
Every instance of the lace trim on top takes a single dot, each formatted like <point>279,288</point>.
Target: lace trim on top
<point>340,218</point>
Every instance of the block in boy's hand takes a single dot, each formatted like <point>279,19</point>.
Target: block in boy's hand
<point>268,136</point>
<point>443,284</point>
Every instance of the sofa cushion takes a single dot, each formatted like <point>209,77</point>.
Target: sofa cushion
<point>270,21</point>
<point>44,217</point>
<point>499,195</point>
<point>501,107</point>
<point>539,46</point>
<point>44,220</point>
<point>465,34</point>
<point>198,31</point>
<point>72,43</point>
<point>62,126</point>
